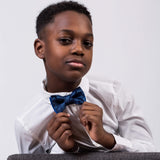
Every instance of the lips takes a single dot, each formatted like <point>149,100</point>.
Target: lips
<point>75,63</point>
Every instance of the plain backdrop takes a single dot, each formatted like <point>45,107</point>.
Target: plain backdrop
<point>126,48</point>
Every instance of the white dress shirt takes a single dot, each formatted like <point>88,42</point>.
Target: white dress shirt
<point>121,117</point>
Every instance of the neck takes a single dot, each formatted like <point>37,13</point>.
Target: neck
<point>55,85</point>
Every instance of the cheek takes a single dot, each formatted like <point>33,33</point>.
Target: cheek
<point>54,53</point>
<point>89,58</point>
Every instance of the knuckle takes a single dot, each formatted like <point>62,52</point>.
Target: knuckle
<point>81,114</point>
<point>68,132</point>
<point>100,110</point>
<point>87,116</point>
<point>57,120</point>
<point>63,126</point>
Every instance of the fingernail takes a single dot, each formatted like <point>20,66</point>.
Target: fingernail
<point>68,115</point>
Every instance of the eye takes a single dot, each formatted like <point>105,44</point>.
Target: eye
<point>65,41</point>
<point>88,44</point>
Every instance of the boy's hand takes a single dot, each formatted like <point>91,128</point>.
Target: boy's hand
<point>91,118</point>
<point>59,129</point>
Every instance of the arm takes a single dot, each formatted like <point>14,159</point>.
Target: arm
<point>27,143</point>
<point>134,134</point>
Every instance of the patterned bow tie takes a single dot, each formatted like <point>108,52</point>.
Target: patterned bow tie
<point>59,103</point>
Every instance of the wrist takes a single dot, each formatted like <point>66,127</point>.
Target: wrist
<point>108,140</point>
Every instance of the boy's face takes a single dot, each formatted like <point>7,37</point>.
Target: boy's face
<point>68,46</point>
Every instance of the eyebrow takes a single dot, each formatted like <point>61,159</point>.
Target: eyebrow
<point>72,32</point>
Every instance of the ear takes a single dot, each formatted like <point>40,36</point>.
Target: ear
<point>39,48</point>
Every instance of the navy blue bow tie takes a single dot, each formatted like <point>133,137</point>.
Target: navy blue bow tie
<point>59,103</point>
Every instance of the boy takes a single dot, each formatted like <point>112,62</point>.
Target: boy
<point>96,116</point>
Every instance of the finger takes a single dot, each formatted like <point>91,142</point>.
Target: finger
<point>90,118</point>
<point>59,115</point>
<point>57,123</point>
<point>66,134</point>
<point>58,133</point>
<point>85,113</point>
<point>84,121</point>
<point>89,106</point>
<point>86,124</point>
<point>88,112</point>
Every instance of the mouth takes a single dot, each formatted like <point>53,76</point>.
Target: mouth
<point>75,63</point>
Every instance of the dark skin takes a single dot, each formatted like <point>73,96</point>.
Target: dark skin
<point>66,48</point>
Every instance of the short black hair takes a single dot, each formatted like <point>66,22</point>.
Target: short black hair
<point>48,14</point>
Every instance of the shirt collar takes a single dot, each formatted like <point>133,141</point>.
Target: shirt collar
<point>84,84</point>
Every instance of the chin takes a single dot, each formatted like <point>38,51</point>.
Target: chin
<point>74,77</point>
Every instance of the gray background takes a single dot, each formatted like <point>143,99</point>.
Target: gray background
<point>126,48</point>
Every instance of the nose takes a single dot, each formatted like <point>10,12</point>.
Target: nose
<point>77,48</point>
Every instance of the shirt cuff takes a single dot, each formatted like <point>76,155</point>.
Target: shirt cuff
<point>122,144</point>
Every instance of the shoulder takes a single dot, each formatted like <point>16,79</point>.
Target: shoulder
<point>112,92</point>
<point>105,85</point>
<point>31,107</point>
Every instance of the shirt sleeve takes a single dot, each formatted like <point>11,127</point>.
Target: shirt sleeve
<point>134,134</point>
<point>25,140</point>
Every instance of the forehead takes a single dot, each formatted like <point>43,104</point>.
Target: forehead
<point>70,20</point>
